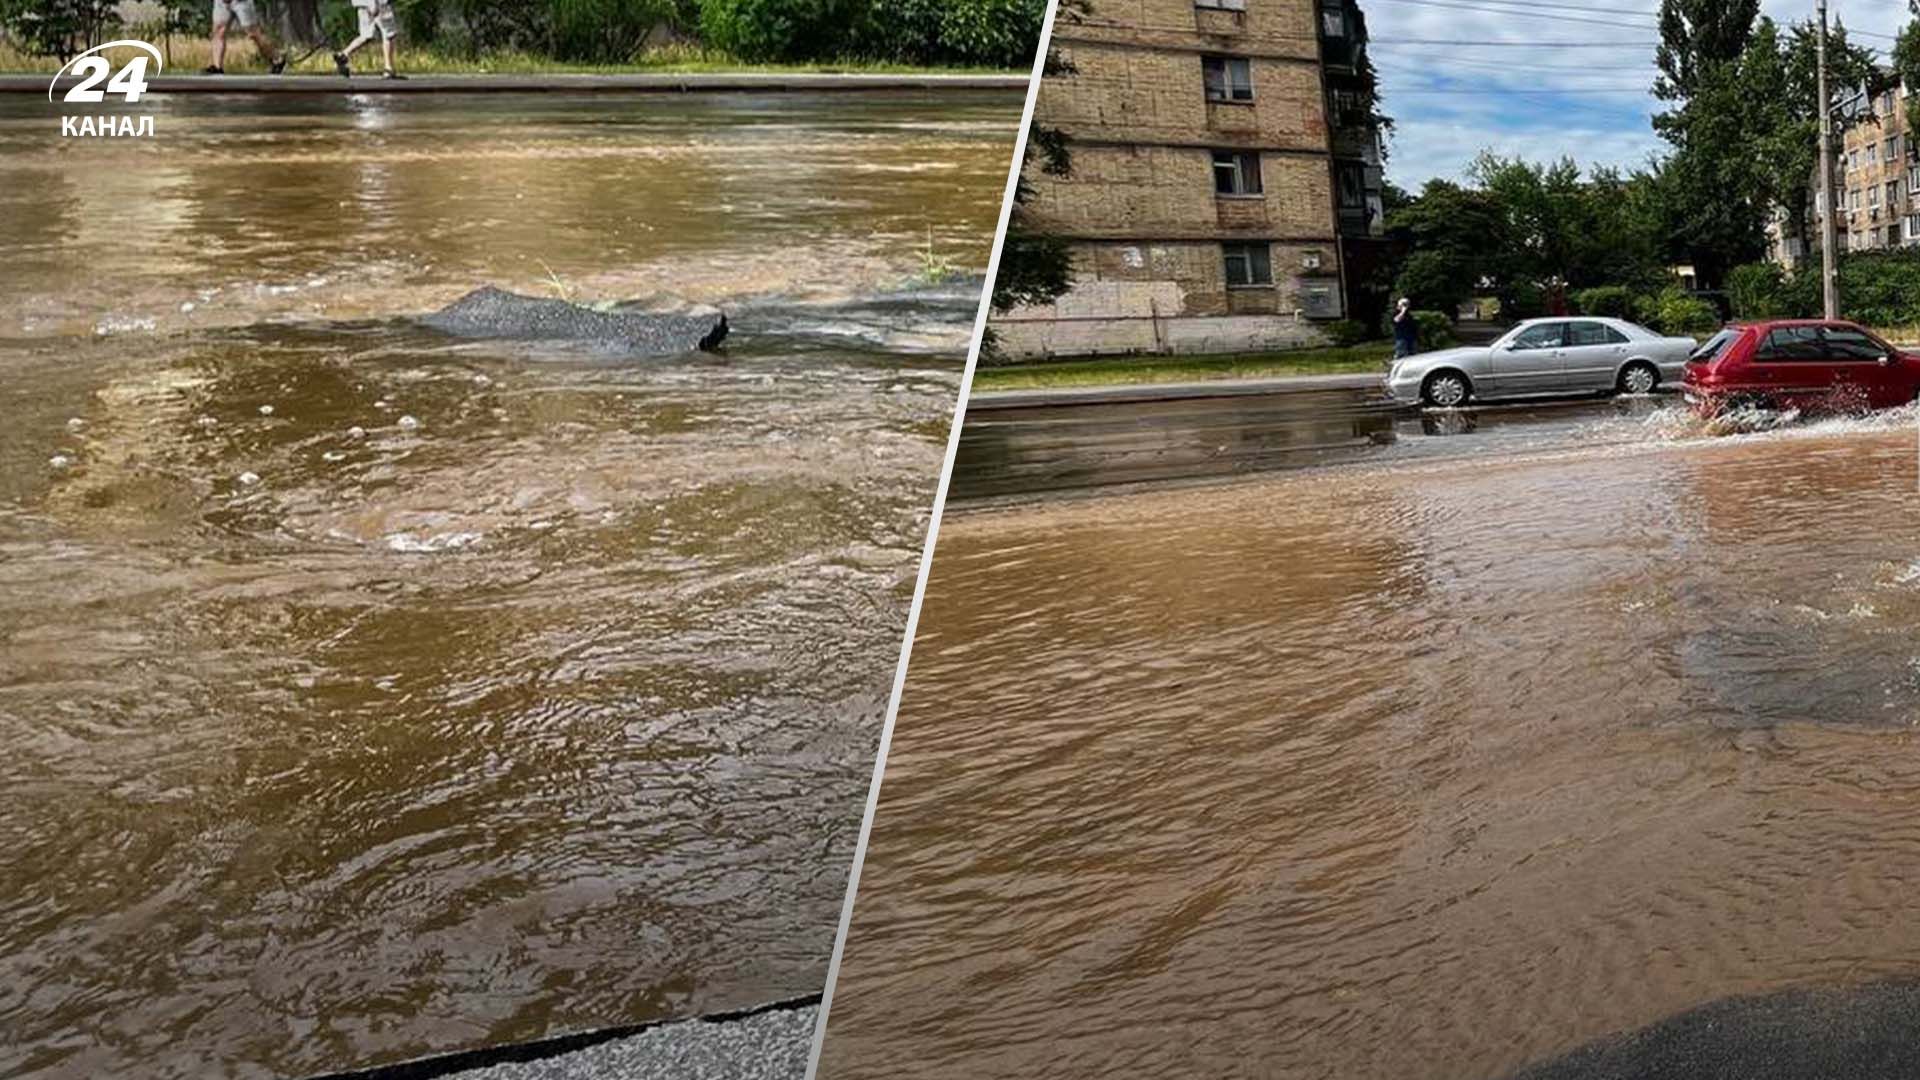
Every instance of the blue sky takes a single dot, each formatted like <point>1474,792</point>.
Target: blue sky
<point>1450,101</point>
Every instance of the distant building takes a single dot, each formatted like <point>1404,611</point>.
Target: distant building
<point>1876,171</point>
<point>1226,168</point>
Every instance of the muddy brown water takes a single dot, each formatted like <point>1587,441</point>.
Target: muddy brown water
<point>1412,768</point>
<point>367,693</point>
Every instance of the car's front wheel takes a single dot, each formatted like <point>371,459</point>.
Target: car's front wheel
<point>1446,389</point>
<point>1638,377</point>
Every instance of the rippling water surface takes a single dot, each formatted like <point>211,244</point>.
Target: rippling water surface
<point>368,693</point>
<point>1428,768</point>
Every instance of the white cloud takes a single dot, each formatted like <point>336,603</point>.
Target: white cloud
<point>1450,102</point>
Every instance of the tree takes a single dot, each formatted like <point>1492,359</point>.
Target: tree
<point>1036,266</point>
<point>59,28</point>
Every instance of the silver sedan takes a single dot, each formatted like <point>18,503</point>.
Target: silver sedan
<point>1544,356</point>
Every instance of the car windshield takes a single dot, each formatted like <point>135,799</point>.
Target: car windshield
<point>1715,345</point>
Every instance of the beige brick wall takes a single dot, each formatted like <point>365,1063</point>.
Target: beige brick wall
<point>1140,202</point>
<point>1166,296</point>
<point>1129,192</point>
<point>1130,94</point>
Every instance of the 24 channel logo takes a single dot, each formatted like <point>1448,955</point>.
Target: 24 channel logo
<point>130,82</point>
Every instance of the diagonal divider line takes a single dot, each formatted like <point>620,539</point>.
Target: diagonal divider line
<point>933,535</point>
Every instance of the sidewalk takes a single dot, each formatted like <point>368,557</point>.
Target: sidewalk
<point>701,82</point>
<point>1199,388</point>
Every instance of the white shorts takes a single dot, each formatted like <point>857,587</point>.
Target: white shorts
<point>380,16</point>
<point>241,11</point>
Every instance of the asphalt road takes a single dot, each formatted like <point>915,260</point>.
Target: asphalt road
<point>1857,1033</point>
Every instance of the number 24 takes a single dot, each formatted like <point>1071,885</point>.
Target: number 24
<point>130,80</point>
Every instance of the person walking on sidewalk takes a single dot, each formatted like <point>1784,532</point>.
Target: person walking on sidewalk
<point>1406,332</point>
<point>374,15</point>
<point>226,12</point>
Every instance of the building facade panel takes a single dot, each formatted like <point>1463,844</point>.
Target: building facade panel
<point>1140,190</point>
<point>1130,94</point>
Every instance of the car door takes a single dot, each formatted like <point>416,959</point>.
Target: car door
<point>1860,368</point>
<point>1529,362</point>
<point>1592,356</point>
<point>1788,365</point>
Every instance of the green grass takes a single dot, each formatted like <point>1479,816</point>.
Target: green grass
<point>1370,358</point>
<point>192,54</point>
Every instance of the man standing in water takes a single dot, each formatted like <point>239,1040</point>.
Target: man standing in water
<point>374,14</point>
<point>1406,332</point>
<point>224,13</point>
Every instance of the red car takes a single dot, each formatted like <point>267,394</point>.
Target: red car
<point>1808,364</point>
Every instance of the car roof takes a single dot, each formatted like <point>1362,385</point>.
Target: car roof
<point>1770,323</point>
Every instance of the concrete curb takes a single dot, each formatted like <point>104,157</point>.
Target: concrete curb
<point>991,400</point>
<point>746,82</point>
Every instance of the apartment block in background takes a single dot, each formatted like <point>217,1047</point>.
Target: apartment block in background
<point>1876,170</point>
<point>1226,168</point>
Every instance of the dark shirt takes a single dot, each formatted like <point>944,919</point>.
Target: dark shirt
<point>1405,330</point>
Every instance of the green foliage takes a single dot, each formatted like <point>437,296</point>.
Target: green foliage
<point>1757,291</point>
<point>1674,312</point>
<point>1880,288</point>
<point>1436,279</point>
<point>765,30</point>
<point>1605,301</point>
<point>59,28</point>
<point>1348,332</point>
<point>1435,329</point>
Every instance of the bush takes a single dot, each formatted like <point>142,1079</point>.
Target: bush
<point>977,33</point>
<point>1879,288</point>
<point>1676,313</point>
<point>1605,301</point>
<point>765,30</point>
<point>1434,329</point>
<point>1347,332</point>
<point>1757,291</point>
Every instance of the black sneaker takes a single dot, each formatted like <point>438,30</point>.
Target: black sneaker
<point>391,74</point>
<point>279,65</point>
<point>340,65</point>
<point>212,69</point>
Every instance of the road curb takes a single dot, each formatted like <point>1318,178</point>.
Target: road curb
<point>991,400</point>
<point>745,82</point>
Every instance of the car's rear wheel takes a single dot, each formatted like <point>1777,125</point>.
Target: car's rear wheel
<point>1446,389</point>
<point>1638,377</point>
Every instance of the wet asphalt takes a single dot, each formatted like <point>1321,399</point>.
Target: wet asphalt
<point>1867,1032</point>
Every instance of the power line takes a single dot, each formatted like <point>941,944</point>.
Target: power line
<point>1402,42</point>
<point>1523,12</point>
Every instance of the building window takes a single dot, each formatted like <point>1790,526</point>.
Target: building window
<point>1873,153</point>
<point>1891,150</point>
<point>1236,172</point>
<point>1873,196</point>
<point>1228,78</point>
<point>1893,192</point>
<point>1333,23</point>
<point>1853,160</point>
<point>1222,5</point>
<point>1247,265</point>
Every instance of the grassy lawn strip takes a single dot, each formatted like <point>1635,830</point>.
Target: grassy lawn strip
<point>1370,358</point>
<point>189,55</point>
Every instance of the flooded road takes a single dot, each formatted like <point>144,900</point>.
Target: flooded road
<point>370,693</point>
<point>1430,767</point>
<point>1013,445</point>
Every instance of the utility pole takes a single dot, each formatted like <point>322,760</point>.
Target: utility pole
<point>1829,284</point>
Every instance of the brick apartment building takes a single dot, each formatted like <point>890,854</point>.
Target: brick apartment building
<point>1876,171</point>
<point>1212,206</point>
